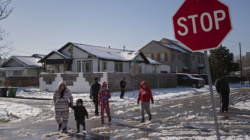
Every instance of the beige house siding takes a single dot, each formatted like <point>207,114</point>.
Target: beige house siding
<point>13,63</point>
<point>158,49</point>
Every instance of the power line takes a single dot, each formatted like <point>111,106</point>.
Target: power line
<point>22,51</point>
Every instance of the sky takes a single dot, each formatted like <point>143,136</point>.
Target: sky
<point>44,25</point>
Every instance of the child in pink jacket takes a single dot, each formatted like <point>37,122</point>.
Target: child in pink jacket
<point>103,98</point>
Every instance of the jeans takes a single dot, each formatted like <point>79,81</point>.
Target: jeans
<point>224,101</point>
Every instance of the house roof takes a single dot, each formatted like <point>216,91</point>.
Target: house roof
<point>173,47</point>
<point>53,52</point>
<point>110,53</point>
<point>27,61</point>
<point>182,46</point>
<point>38,55</point>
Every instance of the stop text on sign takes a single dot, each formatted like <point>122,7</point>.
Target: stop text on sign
<point>204,15</point>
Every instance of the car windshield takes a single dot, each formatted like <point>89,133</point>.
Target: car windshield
<point>196,76</point>
<point>190,76</point>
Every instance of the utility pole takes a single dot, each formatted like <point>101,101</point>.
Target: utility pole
<point>240,65</point>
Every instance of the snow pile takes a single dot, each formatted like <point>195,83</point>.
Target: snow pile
<point>243,105</point>
<point>19,111</point>
<point>130,96</point>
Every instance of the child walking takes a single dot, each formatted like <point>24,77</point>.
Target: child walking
<point>144,96</point>
<point>103,98</point>
<point>80,113</point>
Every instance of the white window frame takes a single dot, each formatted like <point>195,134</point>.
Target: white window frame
<point>84,66</point>
<point>119,66</point>
<point>19,74</point>
<point>149,55</point>
<point>154,68</point>
<point>104,66</point>
<point>162,59</point>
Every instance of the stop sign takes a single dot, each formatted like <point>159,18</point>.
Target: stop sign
<point>202,24</point>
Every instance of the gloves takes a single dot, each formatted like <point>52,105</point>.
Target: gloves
<point>87,117</point>
<point>138,102</point>
<point>152,102</point>
<point>105,97</point>
<point>69,104</point>
<point>91,97</point>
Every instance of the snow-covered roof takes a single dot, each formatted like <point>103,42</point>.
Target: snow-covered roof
<point>153,62</point>
<point>26,61</point>
<point>182,46</point>
<point>29,61</point>
<point>107,53</point>
<point>12,68</point>
<point>173,47</point>
<point>201,65</point>
<point>62,55</point>
<point>38,55</point>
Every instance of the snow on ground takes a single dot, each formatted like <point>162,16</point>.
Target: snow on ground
<point>241,137</point>
<point>243,105</point>
<point>130,96</point>
<point>9,111</point>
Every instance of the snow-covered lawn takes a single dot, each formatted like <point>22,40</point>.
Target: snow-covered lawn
<point>10,110</point>
<point>130,96</point>
<point>243,105</point>
<point>158,94</point>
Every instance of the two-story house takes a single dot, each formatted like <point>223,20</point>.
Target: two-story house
<point>177,56</point>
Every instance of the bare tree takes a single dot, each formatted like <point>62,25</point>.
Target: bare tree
<point>5,11</point>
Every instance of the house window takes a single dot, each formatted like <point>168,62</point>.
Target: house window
<point>2,73</point>
<point>140,68</point>
<point>17,73</point>
<point>153,46</point>
<point>104,67</point>
<point>173,57</point>
<point>86,66</point>
<point>202,60</point>
<point>183,58</point>
<point>179,57</point>
<point>154,68</point>
<point>118,66</point>
<point>193,57</point>
<point>162,57</point>
<point>199,59</point>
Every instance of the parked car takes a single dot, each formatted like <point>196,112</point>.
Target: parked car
<point>189,80</point>
<point>203,76</point>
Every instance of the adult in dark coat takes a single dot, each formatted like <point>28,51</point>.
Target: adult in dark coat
<point>94,90</point>
<point>123,84</point>
<point>223,89</point>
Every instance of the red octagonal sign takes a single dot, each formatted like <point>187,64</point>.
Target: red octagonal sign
<point>202,24</point>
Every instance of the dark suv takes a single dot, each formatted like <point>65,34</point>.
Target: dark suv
<point>189,80</point>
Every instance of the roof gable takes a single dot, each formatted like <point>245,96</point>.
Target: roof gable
<point>25,61</point>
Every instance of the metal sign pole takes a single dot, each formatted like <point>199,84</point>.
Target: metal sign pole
<point>212,96</point>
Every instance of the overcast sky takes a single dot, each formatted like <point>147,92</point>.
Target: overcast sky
<point>40,26</point>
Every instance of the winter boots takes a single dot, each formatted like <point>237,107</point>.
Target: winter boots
<point>102,122</point>
<point>150,118</point>
<point>110,119</point>
<point>64,130</point>
<point>142,120</point>
<point>59,127</point>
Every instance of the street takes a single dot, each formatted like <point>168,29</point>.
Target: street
<point>186,116</point>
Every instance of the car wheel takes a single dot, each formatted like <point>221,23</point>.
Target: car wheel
<point>194,85</point>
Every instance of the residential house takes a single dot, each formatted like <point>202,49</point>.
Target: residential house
<point>82,58</point>
<point>20,66</point>
<point>177,56</point>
